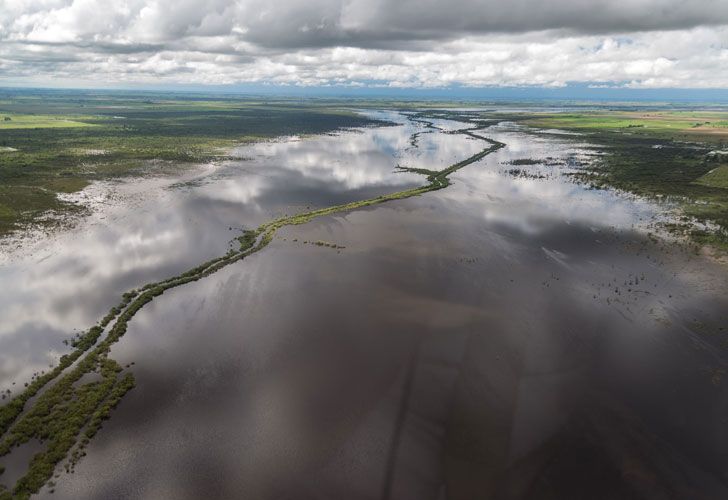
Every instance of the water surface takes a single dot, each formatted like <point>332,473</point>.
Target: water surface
<point>515,335</point>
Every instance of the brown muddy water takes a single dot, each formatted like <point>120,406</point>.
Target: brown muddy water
<point>515,335</point>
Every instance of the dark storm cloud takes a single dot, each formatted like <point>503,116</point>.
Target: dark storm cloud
<point>585,16</point>
<point>377,23</point>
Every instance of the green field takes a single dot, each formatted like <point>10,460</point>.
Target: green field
<point>58,142</point>
<point>14,121</point>
<point>709,126</point>
<point>717,178</point>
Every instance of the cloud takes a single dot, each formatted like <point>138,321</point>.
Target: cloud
<point>423,43</point>
<point>517,16</point>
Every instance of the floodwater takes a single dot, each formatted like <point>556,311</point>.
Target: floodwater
<point>515,335</point>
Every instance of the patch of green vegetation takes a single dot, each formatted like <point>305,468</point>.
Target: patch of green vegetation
<point>64,411</point>
<point>327,244</point>
<point>675,124</point>
<point>6,212</point>
<point>717,178</point>
<point>60,414</point>
<point>14,121</point>
<point>524,174</point>
<point>525,161</point>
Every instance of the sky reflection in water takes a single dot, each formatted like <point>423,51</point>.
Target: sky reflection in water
<point>469,340</point>
<point>141,231</point>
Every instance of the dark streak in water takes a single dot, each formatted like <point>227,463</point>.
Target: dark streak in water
<point>399,424</point>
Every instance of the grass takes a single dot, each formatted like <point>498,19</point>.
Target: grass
<point>716,178</point>
<point>15,121</point>
<point>65,417</point>
<point>682,124</point>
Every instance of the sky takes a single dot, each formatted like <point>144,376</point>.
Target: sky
<point>366,44</point>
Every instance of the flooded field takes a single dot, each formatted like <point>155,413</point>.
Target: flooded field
<point>514,335</point>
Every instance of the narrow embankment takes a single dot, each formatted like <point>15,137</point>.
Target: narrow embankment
<point>65,411</point>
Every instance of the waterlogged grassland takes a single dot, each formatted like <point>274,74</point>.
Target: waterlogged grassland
<point>665,155</point>
<point>58,143</point>
<point>64,414</point>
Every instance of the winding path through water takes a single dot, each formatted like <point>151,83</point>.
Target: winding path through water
<point>58,414</point>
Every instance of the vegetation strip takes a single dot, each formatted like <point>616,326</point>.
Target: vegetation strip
<point>66,409</point>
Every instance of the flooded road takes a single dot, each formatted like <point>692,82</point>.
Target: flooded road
<point>515,335</point>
